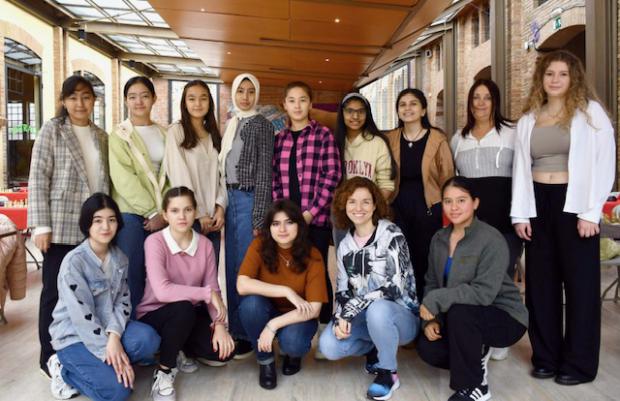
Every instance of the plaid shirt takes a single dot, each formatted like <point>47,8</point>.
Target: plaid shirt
<point>318,169</point>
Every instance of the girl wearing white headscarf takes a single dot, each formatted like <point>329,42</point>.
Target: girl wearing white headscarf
<point>245,162</point>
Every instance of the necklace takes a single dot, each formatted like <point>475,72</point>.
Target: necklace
<point>416,137</point>
<point>287,261</point>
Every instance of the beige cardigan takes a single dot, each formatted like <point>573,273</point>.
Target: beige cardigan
<point>197,169</point>
<point>12,262</point>
<point>437,164</point>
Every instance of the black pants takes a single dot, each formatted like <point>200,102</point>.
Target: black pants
<point>418,225</point>
<point>466,328</point>
<point>49,297</point>
<point>320,238</point>
<point>558,257</point>
<point>515,248</point>
<point>182,326</point>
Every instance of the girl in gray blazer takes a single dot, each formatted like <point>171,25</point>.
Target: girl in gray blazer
<point>69,163</point>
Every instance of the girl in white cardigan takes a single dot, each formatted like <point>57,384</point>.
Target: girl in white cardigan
<point>563,170</point>
<point>192,148</point>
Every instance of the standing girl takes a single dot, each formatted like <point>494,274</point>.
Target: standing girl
<point>283,282</point>
<point>306,170</point>
<point>69,163</point>
<point>191,159</point>
<point>182,298</point>
<point>96,343</point>
<point>563,171</point>
<point>470,303</point>
<point>377,303</point>
<point>138,177</point>
<point>424,163</point>
<point>483,152</point>
<point>245,162</point>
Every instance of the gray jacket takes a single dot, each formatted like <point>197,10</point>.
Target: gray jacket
<point>89,305</point>
<point>478,274</point>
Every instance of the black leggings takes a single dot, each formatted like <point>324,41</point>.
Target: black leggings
<point>182,326</point>
<point>320,238</point>
<point>466,328</point>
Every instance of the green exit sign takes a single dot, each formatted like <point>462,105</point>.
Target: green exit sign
<point>557,23</point>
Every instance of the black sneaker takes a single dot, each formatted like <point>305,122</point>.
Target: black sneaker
<point>291,365</point>
<point>267,376</point>
<point>480,393</point>
<point>384,385</point>
<point>372,360</point>
<point>243,349</point>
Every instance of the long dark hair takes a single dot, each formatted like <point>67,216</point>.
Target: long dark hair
<point>69,86</point>
<point>190,136</point>
<point>422,99</point>
<point>139,79</point>
<point>498,119</point>
<point>462,183</point>
<point>176,192</point>
<point>92,205</point>
<point>369,130</point>
<point>301,245</point>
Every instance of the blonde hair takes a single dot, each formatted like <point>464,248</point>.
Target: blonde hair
<point>579,92</point>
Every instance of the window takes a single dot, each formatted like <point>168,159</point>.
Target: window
<point>381,95</point>
<point>176,92</point>
<point>475,28</point>
<point>486,23</point>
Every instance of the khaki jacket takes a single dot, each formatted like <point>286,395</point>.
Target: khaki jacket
<point>12,262</point>
<point>437,164</point>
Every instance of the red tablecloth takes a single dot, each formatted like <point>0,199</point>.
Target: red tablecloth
<point>19,216</point>
<point>15,196</point>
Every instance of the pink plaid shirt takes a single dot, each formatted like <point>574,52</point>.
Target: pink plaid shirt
<point>318,169</point>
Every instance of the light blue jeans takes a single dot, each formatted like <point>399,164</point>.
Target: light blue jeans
<point>384,324</point>
<point>238,231</point>
<point>97,380</point>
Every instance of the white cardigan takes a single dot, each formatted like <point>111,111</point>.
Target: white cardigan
<point>591,166</point>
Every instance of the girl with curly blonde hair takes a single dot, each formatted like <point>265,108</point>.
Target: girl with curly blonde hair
<point>563,170</point>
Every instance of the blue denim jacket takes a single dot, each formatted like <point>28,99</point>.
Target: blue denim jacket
<point>90,305</point>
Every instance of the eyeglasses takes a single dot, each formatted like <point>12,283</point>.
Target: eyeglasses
<point>349,111</point>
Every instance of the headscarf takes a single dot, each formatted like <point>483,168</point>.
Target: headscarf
<point>238,114</point>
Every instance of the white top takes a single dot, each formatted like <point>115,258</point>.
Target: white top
<point>92,161</point>
<point>591,166</point>
<point>151,136</point>
<point>491,156</point>
<point>174,246</point>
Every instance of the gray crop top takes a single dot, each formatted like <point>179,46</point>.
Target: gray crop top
<point>549,148</point>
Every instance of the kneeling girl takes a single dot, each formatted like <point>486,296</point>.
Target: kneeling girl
<point>376,294</point>
<point>94,339</point>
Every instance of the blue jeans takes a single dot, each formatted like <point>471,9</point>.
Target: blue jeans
<point>214,237</point>
<point>131,241</point>
<point>384,324</point>
<point>239,235</point>
<point>295,340</point>
<point>93,377</point>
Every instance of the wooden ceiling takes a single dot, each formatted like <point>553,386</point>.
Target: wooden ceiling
<point>285,40</point>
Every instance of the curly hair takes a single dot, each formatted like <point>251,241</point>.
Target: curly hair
<point>344,192</point>
<point>301,245</point>
<point>579,92</point>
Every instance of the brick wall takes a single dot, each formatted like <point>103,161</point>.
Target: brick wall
<point>160,108</point>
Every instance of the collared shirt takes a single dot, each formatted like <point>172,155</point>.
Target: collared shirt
<point>318,169</point>
<point>174,246</point>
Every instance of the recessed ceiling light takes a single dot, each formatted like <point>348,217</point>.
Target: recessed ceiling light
<point>320,82</point>
<point>337,20</point>
<point>326,59</point>
<point>228,52</point>
<point>202,10</point>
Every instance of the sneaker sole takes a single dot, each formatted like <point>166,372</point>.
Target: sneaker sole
<point>388,395</point>
<point>240,357</point>
<point>44,374</point>
<point>208,362</point>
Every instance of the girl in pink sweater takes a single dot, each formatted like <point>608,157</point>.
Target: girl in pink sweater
<point>182,298</point>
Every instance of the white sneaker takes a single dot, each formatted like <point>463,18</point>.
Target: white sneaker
<point>163,386</point>
<point>484,361</point>
<point>185,364</point>
<point>499,354</point>
<point>60,389</point>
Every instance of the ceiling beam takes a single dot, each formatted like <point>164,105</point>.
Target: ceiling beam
<point>190,77</point>
<point>147,58</point>
<point>110,28</point>
<point>380,5</point>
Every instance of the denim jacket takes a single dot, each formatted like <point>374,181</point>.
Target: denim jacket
<point>90,305</point>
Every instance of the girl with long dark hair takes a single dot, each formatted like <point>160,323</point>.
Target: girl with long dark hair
<point>282,281</point>
<point>424,163</point>
<point>192,149</point>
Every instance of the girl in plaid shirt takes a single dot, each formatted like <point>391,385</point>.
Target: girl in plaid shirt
<point>306,169</point>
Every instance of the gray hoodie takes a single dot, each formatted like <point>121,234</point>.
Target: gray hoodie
<point>90,305</point>
<point>478,275</point>
<point>379,270</point>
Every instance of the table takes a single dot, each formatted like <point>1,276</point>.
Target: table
<point>19,216</point>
